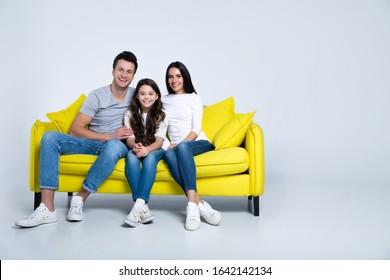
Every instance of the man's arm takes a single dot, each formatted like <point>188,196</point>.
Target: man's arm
<point>81,122</point>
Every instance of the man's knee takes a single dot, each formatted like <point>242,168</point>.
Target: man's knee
<point>50,137</point>
<point>115,147</point>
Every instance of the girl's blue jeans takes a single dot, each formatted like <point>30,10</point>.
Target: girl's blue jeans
<point>141,176</point>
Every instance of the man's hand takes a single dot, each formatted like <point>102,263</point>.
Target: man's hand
<point>122,133</point>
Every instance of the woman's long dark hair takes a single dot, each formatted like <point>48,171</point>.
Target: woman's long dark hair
<point>145,134</point>
<point>187,82</point>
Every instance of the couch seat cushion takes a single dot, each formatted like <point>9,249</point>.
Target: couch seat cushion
<point>214,163</point>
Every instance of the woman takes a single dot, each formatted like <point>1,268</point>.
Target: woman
<point>149,124</point>
<point>185,110</point>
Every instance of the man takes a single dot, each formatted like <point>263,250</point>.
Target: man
<point>98,130</point>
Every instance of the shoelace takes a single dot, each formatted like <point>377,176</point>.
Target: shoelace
<point>208,211</point>
<point>35,213</point>
<point>191,215</point>
<point>143,211</point>
<point>76,209</point>
<point>137,214</point>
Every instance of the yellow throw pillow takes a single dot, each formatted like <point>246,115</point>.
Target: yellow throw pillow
<point>232,133</point>
<point>216,115</point>
<point>63,119</point>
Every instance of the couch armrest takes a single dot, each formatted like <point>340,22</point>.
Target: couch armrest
<point>37,131</point>
<point>254,144</point>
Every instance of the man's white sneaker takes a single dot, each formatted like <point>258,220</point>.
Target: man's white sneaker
<point>75,213</point>
<point>139,215</point>
<point>211,216</point>
<point>193,218</point>
<point>40,216</point>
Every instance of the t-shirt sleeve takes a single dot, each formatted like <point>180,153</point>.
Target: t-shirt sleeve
<point>90,105</point>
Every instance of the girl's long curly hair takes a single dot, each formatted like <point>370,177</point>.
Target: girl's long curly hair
<point>145,133</point>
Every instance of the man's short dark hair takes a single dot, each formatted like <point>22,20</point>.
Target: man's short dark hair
<point>128,56</point>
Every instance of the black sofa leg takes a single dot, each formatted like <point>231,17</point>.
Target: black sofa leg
<point>37,199</point>
<point>70,195</point>
<point>256,205</point>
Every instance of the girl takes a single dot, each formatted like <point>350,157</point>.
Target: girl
<point>149,124</point>
<point>185,110</point>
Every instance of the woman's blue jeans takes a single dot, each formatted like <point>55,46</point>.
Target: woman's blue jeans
<point>54,144</point>
<point>181,163</point>
<point>141,179</point>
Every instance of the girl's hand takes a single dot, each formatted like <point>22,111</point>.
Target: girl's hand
<point>140,150</point>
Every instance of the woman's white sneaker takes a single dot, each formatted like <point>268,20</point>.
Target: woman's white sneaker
<point>41,215</point>
<point>193,217</point>
<point>211,216</point>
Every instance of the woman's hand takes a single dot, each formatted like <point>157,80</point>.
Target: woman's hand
<point>172,146</point>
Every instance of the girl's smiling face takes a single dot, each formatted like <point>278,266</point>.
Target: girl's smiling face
<point>146,96</point>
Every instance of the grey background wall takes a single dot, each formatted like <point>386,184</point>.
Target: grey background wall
<point>316,72</point>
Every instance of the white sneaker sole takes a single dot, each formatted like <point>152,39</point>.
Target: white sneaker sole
<point>147,220</point>
<point>130,223</point>
<point>20,224</point>
<point>74,218</point>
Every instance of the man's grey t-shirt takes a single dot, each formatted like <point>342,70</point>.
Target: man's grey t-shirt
<point>106,112</point>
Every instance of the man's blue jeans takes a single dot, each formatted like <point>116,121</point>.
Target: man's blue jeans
<point>54,144</point>
<point>141,179</point>
<point>181,163</point>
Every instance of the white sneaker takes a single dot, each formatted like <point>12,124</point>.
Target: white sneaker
<point>193,218</point>
<point>139,215</point>
<point>146,214</point>
<point>40,216</point>
<point>75,213</point>
<point>211,216</point>
<point>134,217</point>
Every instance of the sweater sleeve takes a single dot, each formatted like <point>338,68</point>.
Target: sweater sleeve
<point>197,114</point>
<point>162,129</point>
<point>126,119</point>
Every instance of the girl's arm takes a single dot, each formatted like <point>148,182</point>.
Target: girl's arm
<point>130,142</point>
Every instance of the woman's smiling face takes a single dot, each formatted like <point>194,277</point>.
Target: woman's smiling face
<point>175,80</point>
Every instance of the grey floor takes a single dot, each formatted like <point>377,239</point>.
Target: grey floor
<point>299,220</point>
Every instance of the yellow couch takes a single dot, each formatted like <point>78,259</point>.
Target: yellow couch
<point>234,168</point>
